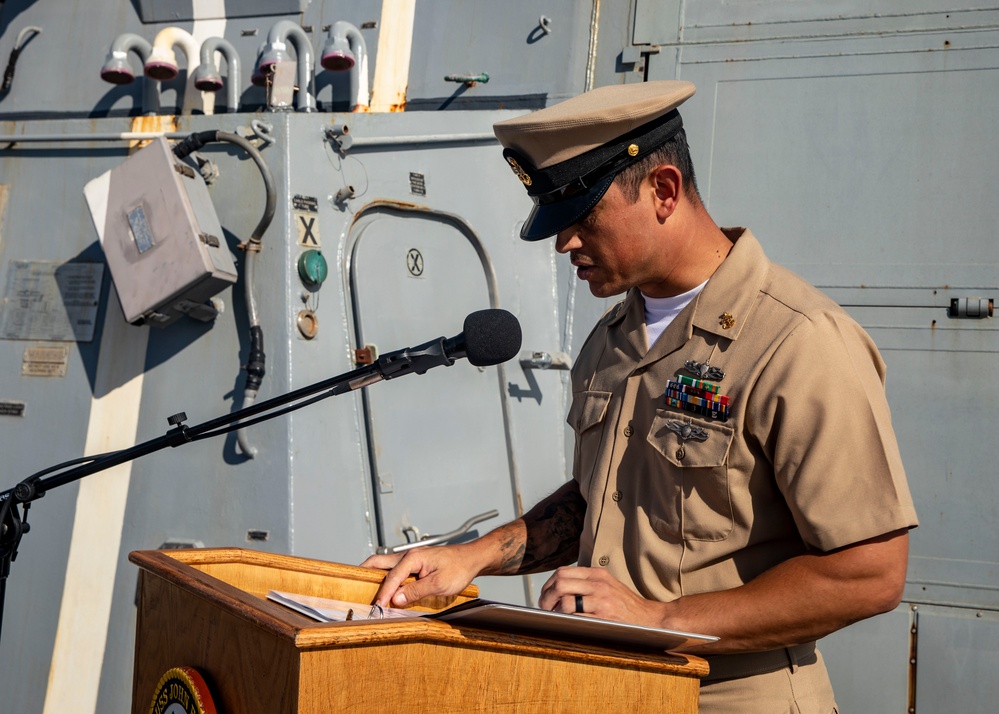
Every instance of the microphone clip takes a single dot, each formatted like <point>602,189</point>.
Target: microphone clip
<point>414,359</point>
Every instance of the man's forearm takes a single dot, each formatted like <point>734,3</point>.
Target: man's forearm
<point>546,537</point>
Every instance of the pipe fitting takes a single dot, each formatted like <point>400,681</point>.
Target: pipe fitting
<point>275,50</point>
<point>207,77</point>
<point>162,62</point>
<point>116,69</point>
<point>345,50</point>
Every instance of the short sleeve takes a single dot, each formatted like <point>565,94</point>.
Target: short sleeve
<point>820,413</point>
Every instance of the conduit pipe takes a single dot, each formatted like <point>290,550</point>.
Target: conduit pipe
<point>162,62</point>
<point>23,37</point>
<point>345,50</point>
<point>255,363</point>
<point>275,50</point>
<point>117,70</point>
<point>207,77</point>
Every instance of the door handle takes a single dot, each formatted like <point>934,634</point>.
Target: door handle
<point>438,539</point>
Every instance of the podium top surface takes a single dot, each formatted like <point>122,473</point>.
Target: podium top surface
<point>237,581</point>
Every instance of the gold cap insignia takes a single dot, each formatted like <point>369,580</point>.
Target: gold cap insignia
<point>521,174</point>
<point>632,149</point>
<point>726,321</point>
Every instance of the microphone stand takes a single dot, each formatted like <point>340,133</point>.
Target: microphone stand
<point>15,502</point>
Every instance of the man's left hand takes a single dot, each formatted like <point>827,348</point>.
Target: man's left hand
<point>600,595</point>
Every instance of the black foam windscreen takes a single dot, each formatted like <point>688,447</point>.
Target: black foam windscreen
<point>491,337</point>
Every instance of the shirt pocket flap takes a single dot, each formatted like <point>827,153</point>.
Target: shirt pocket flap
<point>588,409</point>
<point>705,443</point>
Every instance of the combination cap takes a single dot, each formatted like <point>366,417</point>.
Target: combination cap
<point>568,154</point>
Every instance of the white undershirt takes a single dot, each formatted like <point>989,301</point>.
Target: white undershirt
<point>659,312</point>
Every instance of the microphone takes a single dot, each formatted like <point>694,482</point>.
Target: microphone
<point>489,337</point>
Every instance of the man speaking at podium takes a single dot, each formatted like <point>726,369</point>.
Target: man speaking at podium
<point>735,471</point>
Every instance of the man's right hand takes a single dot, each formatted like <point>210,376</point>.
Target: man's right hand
<point>443,570</point>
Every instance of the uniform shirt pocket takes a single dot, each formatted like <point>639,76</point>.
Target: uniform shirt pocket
<point>585,416</point>
<point>700,469</point>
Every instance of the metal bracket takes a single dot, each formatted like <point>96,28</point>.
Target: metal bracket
<point>975,308</point>
<point>469,80</point>
<point>339,136</point>
<point>365,355</point>
<point>545,360</point>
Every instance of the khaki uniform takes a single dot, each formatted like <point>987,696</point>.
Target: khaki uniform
<point>806,460</point>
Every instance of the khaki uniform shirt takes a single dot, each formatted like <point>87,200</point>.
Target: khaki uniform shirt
<point>807,459</point>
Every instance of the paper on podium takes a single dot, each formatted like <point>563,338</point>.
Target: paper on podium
<point>326,610</point>
<point>503,617</point>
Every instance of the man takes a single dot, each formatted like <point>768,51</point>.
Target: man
<point>735,471</point>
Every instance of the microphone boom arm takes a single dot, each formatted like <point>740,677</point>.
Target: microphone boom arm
<point>15,502</point>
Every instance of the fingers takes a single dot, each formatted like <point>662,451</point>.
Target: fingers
<point>572,604</point>
<point>382,562</point>
<point>391,581</point>
<point>404,565</point>
<point>559,593</point>
<point>439,570</point>
<point>594,592</point>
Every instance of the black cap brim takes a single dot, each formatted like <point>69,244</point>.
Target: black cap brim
<point>544,221</point>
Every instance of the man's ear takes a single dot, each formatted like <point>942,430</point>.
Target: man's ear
<point>667,186</point>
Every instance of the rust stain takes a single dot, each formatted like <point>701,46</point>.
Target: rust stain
<point>388,203</point>
<point>164,123</point>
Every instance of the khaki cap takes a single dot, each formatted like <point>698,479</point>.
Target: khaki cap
<point>567,155</point>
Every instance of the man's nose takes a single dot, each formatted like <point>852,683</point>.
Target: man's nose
<point>567,240</point>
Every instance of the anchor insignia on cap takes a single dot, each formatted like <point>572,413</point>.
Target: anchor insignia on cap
<point>704,370</point>
<point>521,174</point>
<point>686,431</point>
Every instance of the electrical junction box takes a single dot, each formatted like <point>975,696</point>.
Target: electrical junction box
<point>162,240</point>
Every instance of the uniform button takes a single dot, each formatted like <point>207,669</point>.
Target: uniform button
<point>604,560</point>
<point>628,431</point>
<point>616,495</point>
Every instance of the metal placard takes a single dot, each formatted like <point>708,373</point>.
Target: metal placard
<point>50,301</point>
<point>45,361</point>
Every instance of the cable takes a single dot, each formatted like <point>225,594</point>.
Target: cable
<point>8,74</point>
<point>255,365</point>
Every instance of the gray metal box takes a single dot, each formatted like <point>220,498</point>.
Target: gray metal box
<point>162,239</point>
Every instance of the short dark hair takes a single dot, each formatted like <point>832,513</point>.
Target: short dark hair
<point>673,151</point>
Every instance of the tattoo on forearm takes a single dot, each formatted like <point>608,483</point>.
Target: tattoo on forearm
<point>552,537</point>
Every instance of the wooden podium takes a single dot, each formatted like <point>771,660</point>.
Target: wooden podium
<point>206,609</point>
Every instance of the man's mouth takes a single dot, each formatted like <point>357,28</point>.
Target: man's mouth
<point>583,266</point>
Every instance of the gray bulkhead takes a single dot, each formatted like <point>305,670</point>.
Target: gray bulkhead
<point>855,139</point>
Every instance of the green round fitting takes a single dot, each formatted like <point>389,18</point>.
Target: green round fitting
<point>312,268</point>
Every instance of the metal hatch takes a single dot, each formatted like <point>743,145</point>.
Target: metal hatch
<point>439,442</point>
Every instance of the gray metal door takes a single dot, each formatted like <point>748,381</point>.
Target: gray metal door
<point>438,442</point>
